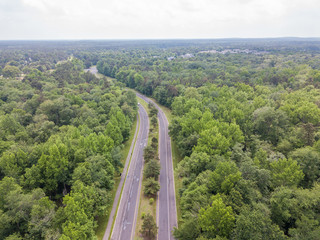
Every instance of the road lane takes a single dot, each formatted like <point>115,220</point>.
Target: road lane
<point>125,223</point>
<point>167,211</point>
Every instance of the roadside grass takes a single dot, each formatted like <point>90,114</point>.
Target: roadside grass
<point>144,205</point>
<point>102,221</point>
<point>144,104</point>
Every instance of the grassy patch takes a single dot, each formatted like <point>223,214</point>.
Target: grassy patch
<point>144,104</point>
<point>103,220</point>
<point>144,207</point>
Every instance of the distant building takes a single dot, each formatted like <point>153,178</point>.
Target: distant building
<point>235,51</point>
<point>188,55</point>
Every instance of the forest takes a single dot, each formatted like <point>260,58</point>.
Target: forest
<point>245,121</point>
<point>61,133</point>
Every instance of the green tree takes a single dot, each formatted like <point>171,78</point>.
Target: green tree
<point>256,224</point>
<point>152,169</point>
<point>149,153</point>
<point>270,124</point>
<point>193,199</point>
<point>309,160</point>
<point>284,206</point>
<point>212,142</point>
<point>306,228</point>
<point>15,236</point>
<point>151,187</point>
<point>217,219</point>
<point>114,132</point>
<point>95,170</point>
<point>224,177</point>
<point>13,164</point>
<point>51,170</point>
<point>77,225</point>
<point>286,172</point>
<point>149,227</point>
<point>192,166</point>
<point>42,214</point>
<point>188,230</point>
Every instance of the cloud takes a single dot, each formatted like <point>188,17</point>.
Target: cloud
<point>87,19</point>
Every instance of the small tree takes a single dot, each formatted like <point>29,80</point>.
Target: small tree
<point>217,219</point>
<point>152,169</point>
<point>153,112</point>
<point>151,187</point>
<point>149,153</point>
<point>286,172</point>
<point>149,227</point>
<point>154,121</point>
<point>154,142</point>
<point>150,105</point>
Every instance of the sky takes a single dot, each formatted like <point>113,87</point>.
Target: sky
<point>157,19</point>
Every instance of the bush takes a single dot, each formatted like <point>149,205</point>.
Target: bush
<point>151,187</point>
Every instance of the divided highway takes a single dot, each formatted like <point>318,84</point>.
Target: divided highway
<point>166,211</point>
<point>125,223</point>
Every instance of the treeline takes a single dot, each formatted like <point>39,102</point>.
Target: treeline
<point>61,134</point>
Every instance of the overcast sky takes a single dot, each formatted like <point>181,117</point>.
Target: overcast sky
<point>136,19</point>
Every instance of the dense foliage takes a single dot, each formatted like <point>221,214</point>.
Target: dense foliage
<point>61,132</point>
<point>245,120</point>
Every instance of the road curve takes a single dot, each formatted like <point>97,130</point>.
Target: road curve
<point>166,210</point>
<point>125,223</point>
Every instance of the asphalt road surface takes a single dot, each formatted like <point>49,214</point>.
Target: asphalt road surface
<point>125,223</point>
<point>167,211</point>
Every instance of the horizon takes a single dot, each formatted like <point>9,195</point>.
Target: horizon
<point>167,39</point>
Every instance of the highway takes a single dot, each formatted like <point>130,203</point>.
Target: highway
<point>166,209</point>
<point>125,223</point>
